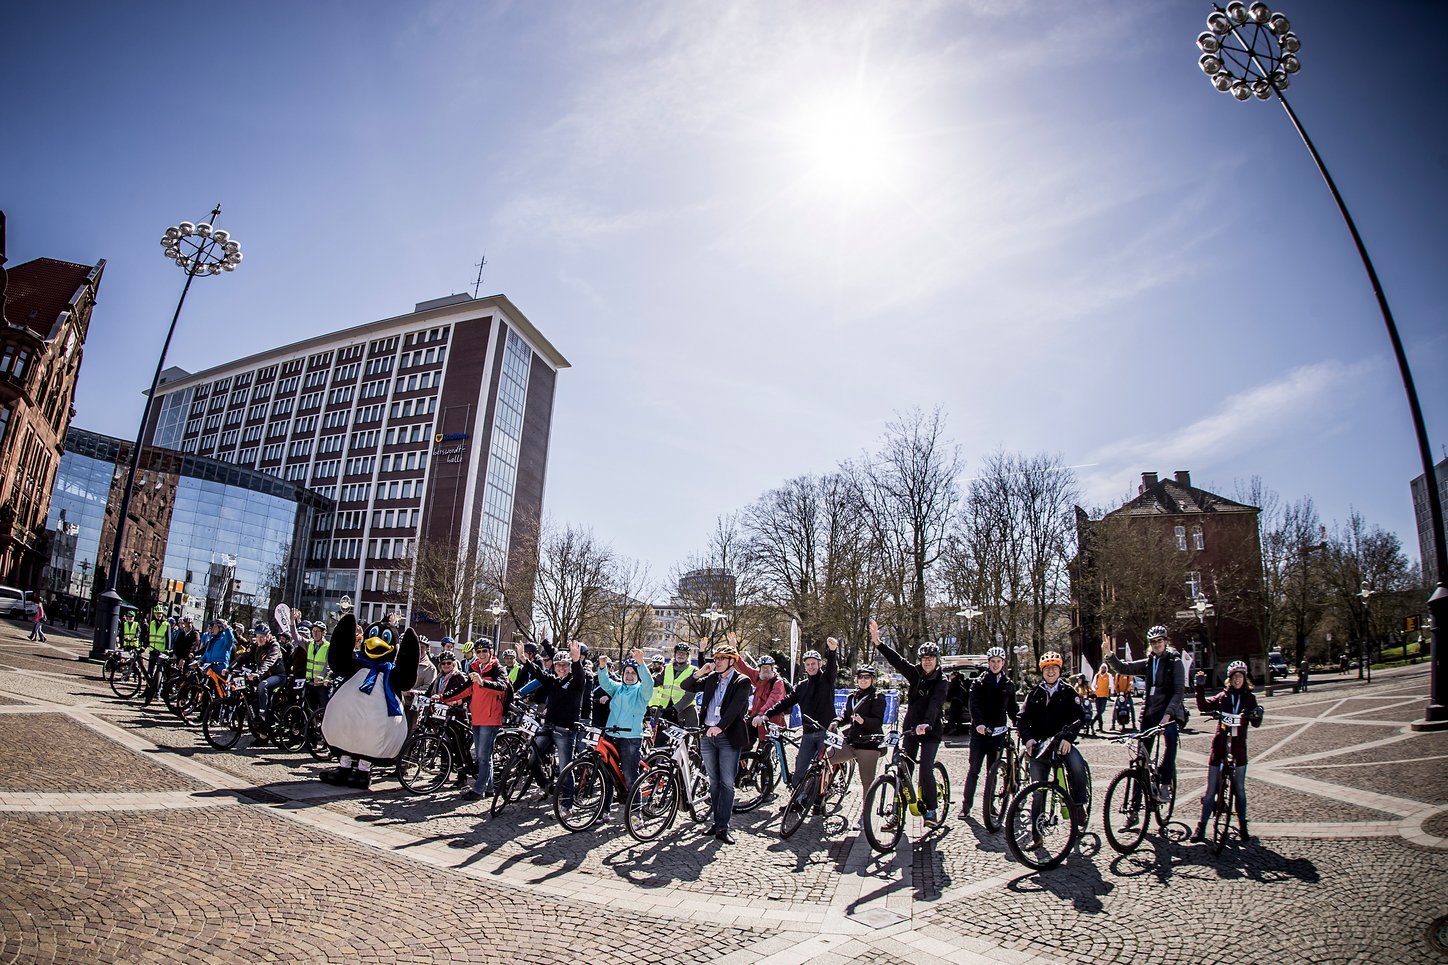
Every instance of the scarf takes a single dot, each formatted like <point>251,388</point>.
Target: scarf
<point>383,667</point>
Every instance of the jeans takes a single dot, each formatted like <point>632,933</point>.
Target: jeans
<point>37,632</point>
<point>721,763</point>
<point>628,758</point>
<point>924,752</point>
<point>483,740</point>
<point>558,739</point>
<point>265,688</point>
<point>1100,719</point>
<point>809,749</point>
<point>983,747</point>
<point>1239,784</point>
<point>153,672</point>
<point>1075,780</point>
<point>1167,773</point>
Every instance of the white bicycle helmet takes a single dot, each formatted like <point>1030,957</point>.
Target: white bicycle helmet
<point>1235,666</point>
<point>996,652</point>
<point>1156,632</point>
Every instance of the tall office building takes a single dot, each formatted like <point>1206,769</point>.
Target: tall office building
<point>1426,550</point>
<point>431,426</point>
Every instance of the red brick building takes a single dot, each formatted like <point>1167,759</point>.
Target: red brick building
<point>1150,560</point>
<point>47,308</point>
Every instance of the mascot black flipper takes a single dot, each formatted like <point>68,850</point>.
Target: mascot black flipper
<point>364,722</point>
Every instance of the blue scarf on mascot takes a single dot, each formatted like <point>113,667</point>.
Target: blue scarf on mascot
<point>383,667</point>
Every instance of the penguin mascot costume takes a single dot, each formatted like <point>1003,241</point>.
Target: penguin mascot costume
<point>364,723</point>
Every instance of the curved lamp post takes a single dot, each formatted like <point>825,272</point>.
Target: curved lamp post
<point>1365,663</point>
<point>199,250</point>
<point>497,610</point>
<point>1249,50</point>
<point>968,613</point>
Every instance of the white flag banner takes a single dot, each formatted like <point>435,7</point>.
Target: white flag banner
<point>282,616</point>
<point>793,648</point>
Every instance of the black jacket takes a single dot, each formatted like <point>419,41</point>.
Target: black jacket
<point>815,696</point>
<point>993,700</point>
<point>870,705</point>
<point>1046,714</point>
<point>926,695</point>
<point>562,699</point>
<point>733,709</point>
<point>1165,689</point>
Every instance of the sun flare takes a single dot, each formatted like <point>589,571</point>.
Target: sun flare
<point>847,144</point>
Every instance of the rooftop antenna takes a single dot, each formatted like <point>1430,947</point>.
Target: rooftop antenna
<point>479,283</point>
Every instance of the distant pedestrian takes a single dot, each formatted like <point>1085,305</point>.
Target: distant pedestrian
<point>37,630</point>
<point>1302,677</point>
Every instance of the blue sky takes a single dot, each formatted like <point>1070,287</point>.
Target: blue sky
<point>759,229</point>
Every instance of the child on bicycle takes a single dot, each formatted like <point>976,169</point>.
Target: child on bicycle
<point>863,719</point>
<point>1236,698</point>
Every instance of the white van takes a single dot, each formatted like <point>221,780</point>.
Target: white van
<point>16,604</point>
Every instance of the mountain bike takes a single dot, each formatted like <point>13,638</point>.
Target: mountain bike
<point>1134,791</point>
<point>439,742</point>
<point>597,779</point>
<point>1043,821</point>
<point>1224,805</point>
<point>761,768</point>
<point>511,776</point>
<point>817,790</point>
<point>674,776</point>
<point>284,721</point>
<point>1003,779</point>
<point>894,795</point>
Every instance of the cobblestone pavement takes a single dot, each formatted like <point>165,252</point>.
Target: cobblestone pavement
<point>124,837</point>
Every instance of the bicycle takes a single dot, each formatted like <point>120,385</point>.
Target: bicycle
<point>762,767</point>
<point>1135,789</point>
<point>1224,805</point>
<point>126,672</point>
<point>512,776</point>
<point>1003,779</point>
<point>1043,816</point>
<point>894,795</point>
<point>673,777</point>
<point>596,777</point>
<point>816,788</point>
<point>439,740</point>
<point>226,718</point>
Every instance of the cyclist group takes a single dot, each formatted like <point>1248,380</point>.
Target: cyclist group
<point>727,707</point>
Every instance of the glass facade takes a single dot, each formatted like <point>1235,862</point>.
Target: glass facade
<point>77,510</point>
<point>172,420</point>
<point>503,451</point>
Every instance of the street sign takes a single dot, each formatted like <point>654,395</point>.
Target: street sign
<point>1412,624</point>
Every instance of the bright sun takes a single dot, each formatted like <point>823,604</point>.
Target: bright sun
<point>847,144</point>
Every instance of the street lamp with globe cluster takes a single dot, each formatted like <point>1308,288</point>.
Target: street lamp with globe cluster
<point>199,250</point>
<point>1250,50</point>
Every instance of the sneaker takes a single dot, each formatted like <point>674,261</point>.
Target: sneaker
<point>891,824</point>
<point>724,837</point>
<point>1132,817</point>
<point>1200,834</point>
<point>932,820</point>
<point>858,825</point>
<point>472,795</point>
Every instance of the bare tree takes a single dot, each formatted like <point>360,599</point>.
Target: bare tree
<point>573,581</point>
<point>1300,581</point>
<point>447,583</point>
<point>907,493</point>
<point>719,579</point>
<point>1359,553</point>
<point>625,615</point>
<point>1137,571</point>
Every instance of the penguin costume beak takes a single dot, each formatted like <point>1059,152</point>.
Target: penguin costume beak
<point>379,645</point>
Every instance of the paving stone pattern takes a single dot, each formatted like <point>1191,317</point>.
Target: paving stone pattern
<point>50,752</point>
<point>237,884</point>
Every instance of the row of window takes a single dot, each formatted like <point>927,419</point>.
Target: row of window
<point>1198,539</point>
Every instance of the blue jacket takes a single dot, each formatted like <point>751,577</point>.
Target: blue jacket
<point>627,703</point>
<point>216,648</point>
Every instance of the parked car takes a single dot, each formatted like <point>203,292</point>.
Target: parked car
<point>17,604</point>
<point>1277,664</point>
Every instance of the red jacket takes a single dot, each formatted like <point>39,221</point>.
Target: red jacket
<point>766,694</point>
<point>485,700</point>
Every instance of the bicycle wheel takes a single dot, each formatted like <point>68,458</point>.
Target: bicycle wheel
<point>1222,819</point>
<point>510,785</point>
<point>942,791</point>
<point>884,814</point>
<point>317,744</point>
<point>222,724</point>
<point>424,763</point>
<point>755,780</point>
<point>998,791</point>
<point>652,803</point>
<point>1124,818</point>
<point>290,729</point>
<point>1164,807</point>
<point>801,801</point>
<point>171,685</point>
<point>126,678</point>
<point>839,787</point>
<point>590,794</point>
<point>1042,841</point>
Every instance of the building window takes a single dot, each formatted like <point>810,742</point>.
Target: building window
<point>1181,538</point>
<point>1198,540</point>
<point>1194,585</point>
<point>4,424</point>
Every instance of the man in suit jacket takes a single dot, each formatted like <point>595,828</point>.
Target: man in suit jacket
<point>726,703</point>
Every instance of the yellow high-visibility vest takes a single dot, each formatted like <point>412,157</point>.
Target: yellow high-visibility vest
<point>158,635</point>
<point>317,659</point>
<point>669,691</point>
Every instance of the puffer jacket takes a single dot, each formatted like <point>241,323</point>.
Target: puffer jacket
<point>485,700</point>
<point>627,703</point>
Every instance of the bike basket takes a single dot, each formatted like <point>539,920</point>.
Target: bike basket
<point>529,726</point>
<point>834,740</point>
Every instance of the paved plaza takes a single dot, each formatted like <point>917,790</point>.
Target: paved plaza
<point>124,837</point>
